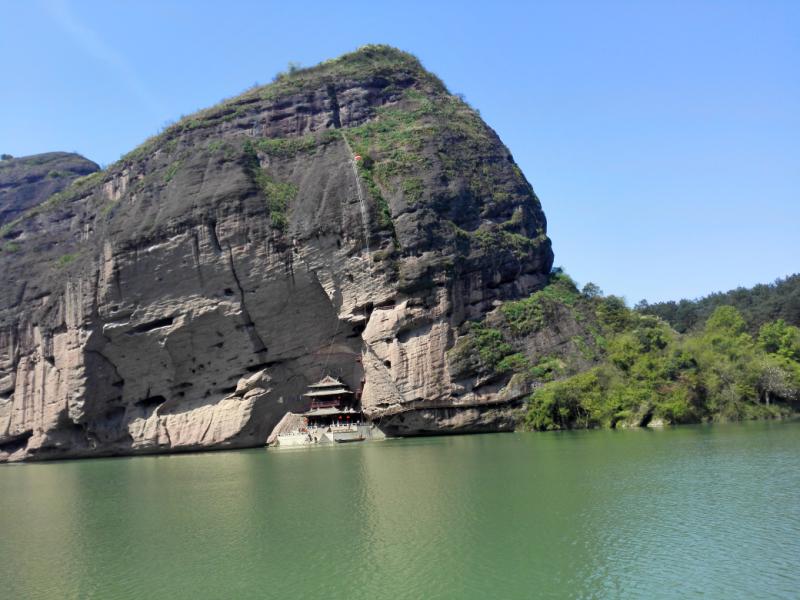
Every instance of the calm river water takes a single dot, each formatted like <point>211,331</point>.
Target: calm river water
<point>680,513</point>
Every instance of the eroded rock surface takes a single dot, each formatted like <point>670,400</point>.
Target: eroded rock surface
<point>186,296</point>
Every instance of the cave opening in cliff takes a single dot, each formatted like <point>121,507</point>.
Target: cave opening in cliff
<point>16,443</point>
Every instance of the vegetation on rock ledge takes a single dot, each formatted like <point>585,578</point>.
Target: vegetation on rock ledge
<point>277,194</point>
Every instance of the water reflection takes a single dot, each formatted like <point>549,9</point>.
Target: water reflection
<point>709,511</point>
<point>38,522</point>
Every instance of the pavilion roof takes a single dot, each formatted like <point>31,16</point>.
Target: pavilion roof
<point>342,391</point>
<point>326,412</point>
<point>328,386</point>
<point>326,382</point>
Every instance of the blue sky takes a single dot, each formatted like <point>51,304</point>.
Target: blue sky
<point>662,138</point>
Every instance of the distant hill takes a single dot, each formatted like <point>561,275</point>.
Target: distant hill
<point>758,305</point>
<point>28,181</point>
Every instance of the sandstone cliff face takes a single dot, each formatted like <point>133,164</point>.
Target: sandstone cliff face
<point>184,297</point>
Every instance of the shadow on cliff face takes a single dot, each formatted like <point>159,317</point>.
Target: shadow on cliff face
<point>177,376</point>
<point>16,443</point>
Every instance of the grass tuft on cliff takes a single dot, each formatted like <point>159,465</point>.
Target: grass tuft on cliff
<point>368,62</point>
<point>278,194</point>
<point>372,60</point>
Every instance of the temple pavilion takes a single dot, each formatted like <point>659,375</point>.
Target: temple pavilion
<point>332,403</point>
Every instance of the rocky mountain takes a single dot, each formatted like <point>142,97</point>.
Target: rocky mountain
<point>348,219</point>
<point>28,181</point>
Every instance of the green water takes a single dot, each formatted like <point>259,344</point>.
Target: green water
<point>681,513</point>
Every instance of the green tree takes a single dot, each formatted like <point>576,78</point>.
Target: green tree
<point>613,313</point>
<point>591,290</point>
<point>780,338</point>
<point>725,320</point>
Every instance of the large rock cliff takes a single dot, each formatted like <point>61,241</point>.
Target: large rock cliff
<point>185,296</point>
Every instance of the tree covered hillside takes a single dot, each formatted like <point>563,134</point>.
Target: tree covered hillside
<point>758,305</point>
<point>610,366</point>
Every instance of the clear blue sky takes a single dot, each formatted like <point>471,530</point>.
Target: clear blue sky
<point>662,138</point>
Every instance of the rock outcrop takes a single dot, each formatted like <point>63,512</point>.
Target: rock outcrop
<point>184,297</point>
<point>28,181</point>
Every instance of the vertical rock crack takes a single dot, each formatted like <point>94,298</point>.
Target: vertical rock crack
<point>255,338</point>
